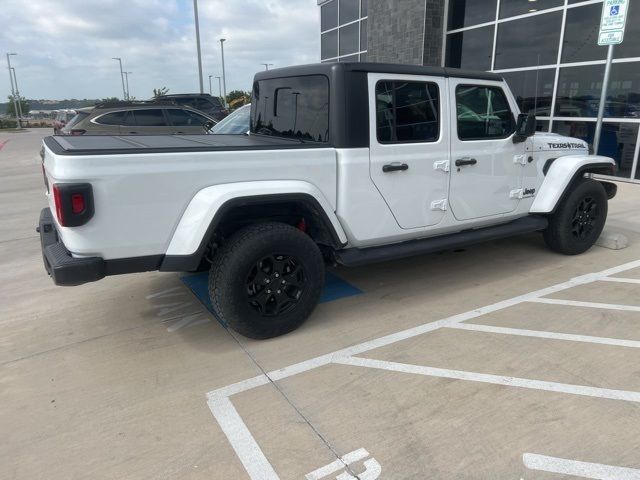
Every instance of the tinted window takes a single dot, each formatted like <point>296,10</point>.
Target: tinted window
<point>464,13</point>
<point>113,118</point>
<point>363,8</point>
<point>579,91</point>
<point>407,112</point>
<point>348,11</point>
<point>329,15</point>
<point>77,119</point>
<point>204,104</point>
<point>483,113</point>
<point>533,90</point>
<point>292,107</point>
<point>152,117</point>
<point>363,34</point>
<point>329,44</point>
<point>511,8</point>
<point>630,47</point>
<point>581,35</point>
<point>349,40</point>
<point>470,49</point>
<point>528,42</point>
<point>623,96</point>
<point>184,118</point>
<point>350,58</point>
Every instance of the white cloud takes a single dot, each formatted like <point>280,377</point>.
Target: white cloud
<point>65,47</point>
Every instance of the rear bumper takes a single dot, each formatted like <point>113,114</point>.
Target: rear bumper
<point>67,270</point>
<point>63,268</point>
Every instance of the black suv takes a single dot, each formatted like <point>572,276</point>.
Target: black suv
<point>200,101</point>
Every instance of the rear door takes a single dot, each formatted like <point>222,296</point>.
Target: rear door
<point>185,121</point>
<point>409,153</point>
<point>486,166</point>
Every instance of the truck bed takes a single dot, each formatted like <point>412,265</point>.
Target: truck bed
<point>131,144</point>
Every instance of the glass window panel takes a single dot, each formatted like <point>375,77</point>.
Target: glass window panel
<point>329,45</point>
<point>579,90</point>
<point>623,95</point>
<point>470,49</point>
<point>542,125</point>
<point>363,35</point>
<point>482,113</point>
<point>349,39</point>
<point>530,98</point>
<point>292,107</point>
<point>349,11</point>
<point>150,118</point>
<point>114,118</point>
<point>464,13</point>
<point>363,8</point>
<point>630,47</point>
<point>407,112</point>
<point>581,35</point>
<point>511,8</point>
<point>528,42</point>
<point>349,58</point>
<point>329,15</point>
<point>363,57</point>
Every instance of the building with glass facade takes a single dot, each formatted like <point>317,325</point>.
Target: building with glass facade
<point>546,50</point>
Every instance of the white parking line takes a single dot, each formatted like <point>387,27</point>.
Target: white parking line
<point>494,379</point>
<point>575,303</point>
<point>621,280</point>
<point>542,334</point>
<point>253,458</point>
<point>579,469</point>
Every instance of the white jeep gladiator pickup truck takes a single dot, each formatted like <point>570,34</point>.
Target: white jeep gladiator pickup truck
<point>345,163</point>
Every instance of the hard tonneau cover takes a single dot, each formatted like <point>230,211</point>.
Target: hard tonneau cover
<point>112,145</point>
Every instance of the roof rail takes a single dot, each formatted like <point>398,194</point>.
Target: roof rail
<point>136,103</point>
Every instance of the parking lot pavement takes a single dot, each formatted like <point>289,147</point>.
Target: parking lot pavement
<point>499,361</point>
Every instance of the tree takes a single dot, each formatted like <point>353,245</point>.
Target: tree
<point>237,98</point>
<point>24,105</point>
<point>158,92</point>
<point>109,100</point>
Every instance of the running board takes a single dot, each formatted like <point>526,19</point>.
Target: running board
<point>361,256</point>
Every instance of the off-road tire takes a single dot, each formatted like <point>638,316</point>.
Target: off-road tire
<point>579,219</point>
<point>230,289</point>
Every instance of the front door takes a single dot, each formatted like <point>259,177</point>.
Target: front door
<point>486,166</point>
<point>409,153</point>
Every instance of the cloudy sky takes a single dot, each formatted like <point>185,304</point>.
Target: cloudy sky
<point>65,47</point>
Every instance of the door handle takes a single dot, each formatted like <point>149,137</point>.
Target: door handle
<point>133,133</point>
<point>465,161</point>
<point>394,167</point>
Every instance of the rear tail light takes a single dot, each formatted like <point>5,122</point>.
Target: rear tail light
<point>73,203</point>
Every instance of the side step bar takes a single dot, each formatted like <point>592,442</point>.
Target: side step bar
<point>361,256</point>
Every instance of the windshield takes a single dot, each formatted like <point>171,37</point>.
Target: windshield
<point>293,107</point>
<point>236,123</point>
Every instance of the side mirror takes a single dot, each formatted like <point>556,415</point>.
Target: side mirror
<point>208,125</point>
<point>525,127</point>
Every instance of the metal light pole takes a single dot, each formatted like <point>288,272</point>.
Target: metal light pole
<point>126,79</point>
<point>13,92</point>
<point>15,81</point>
<point>219,87</point>
<point>195,12</point>
<point>603,100</point>
<point>224,78</point>
<point>267,65</point>
<point>124,91</point>
<point>210,91</point>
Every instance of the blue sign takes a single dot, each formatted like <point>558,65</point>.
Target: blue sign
<point>614,10</point>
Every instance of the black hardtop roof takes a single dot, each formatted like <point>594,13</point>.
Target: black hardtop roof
<point>334,67</point>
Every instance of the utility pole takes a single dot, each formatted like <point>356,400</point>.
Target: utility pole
<point>124,91</point>
<point>210,92</point>
<point>195,12</point>
<point>126,79</point>
<point>13,91</point>
<point>267,65</point>
<point>224,78</point>
<point>219,87</point>
<point>15,81</point>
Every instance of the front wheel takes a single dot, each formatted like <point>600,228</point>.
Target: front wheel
<point>266,280</point>
<point>579,219</point>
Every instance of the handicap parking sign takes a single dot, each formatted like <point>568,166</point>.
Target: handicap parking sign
<point>614,10</point>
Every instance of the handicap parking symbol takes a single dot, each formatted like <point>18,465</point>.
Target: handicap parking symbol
<point>615,10</point>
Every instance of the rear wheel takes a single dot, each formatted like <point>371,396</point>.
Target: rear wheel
<point>579,219</point>
<point>266,280</point>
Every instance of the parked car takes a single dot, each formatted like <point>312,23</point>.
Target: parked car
<point>62,118</point>
<point>359,163</point>
<point>200,101</point>
<point>138,118</point>
<point>236,122</point>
